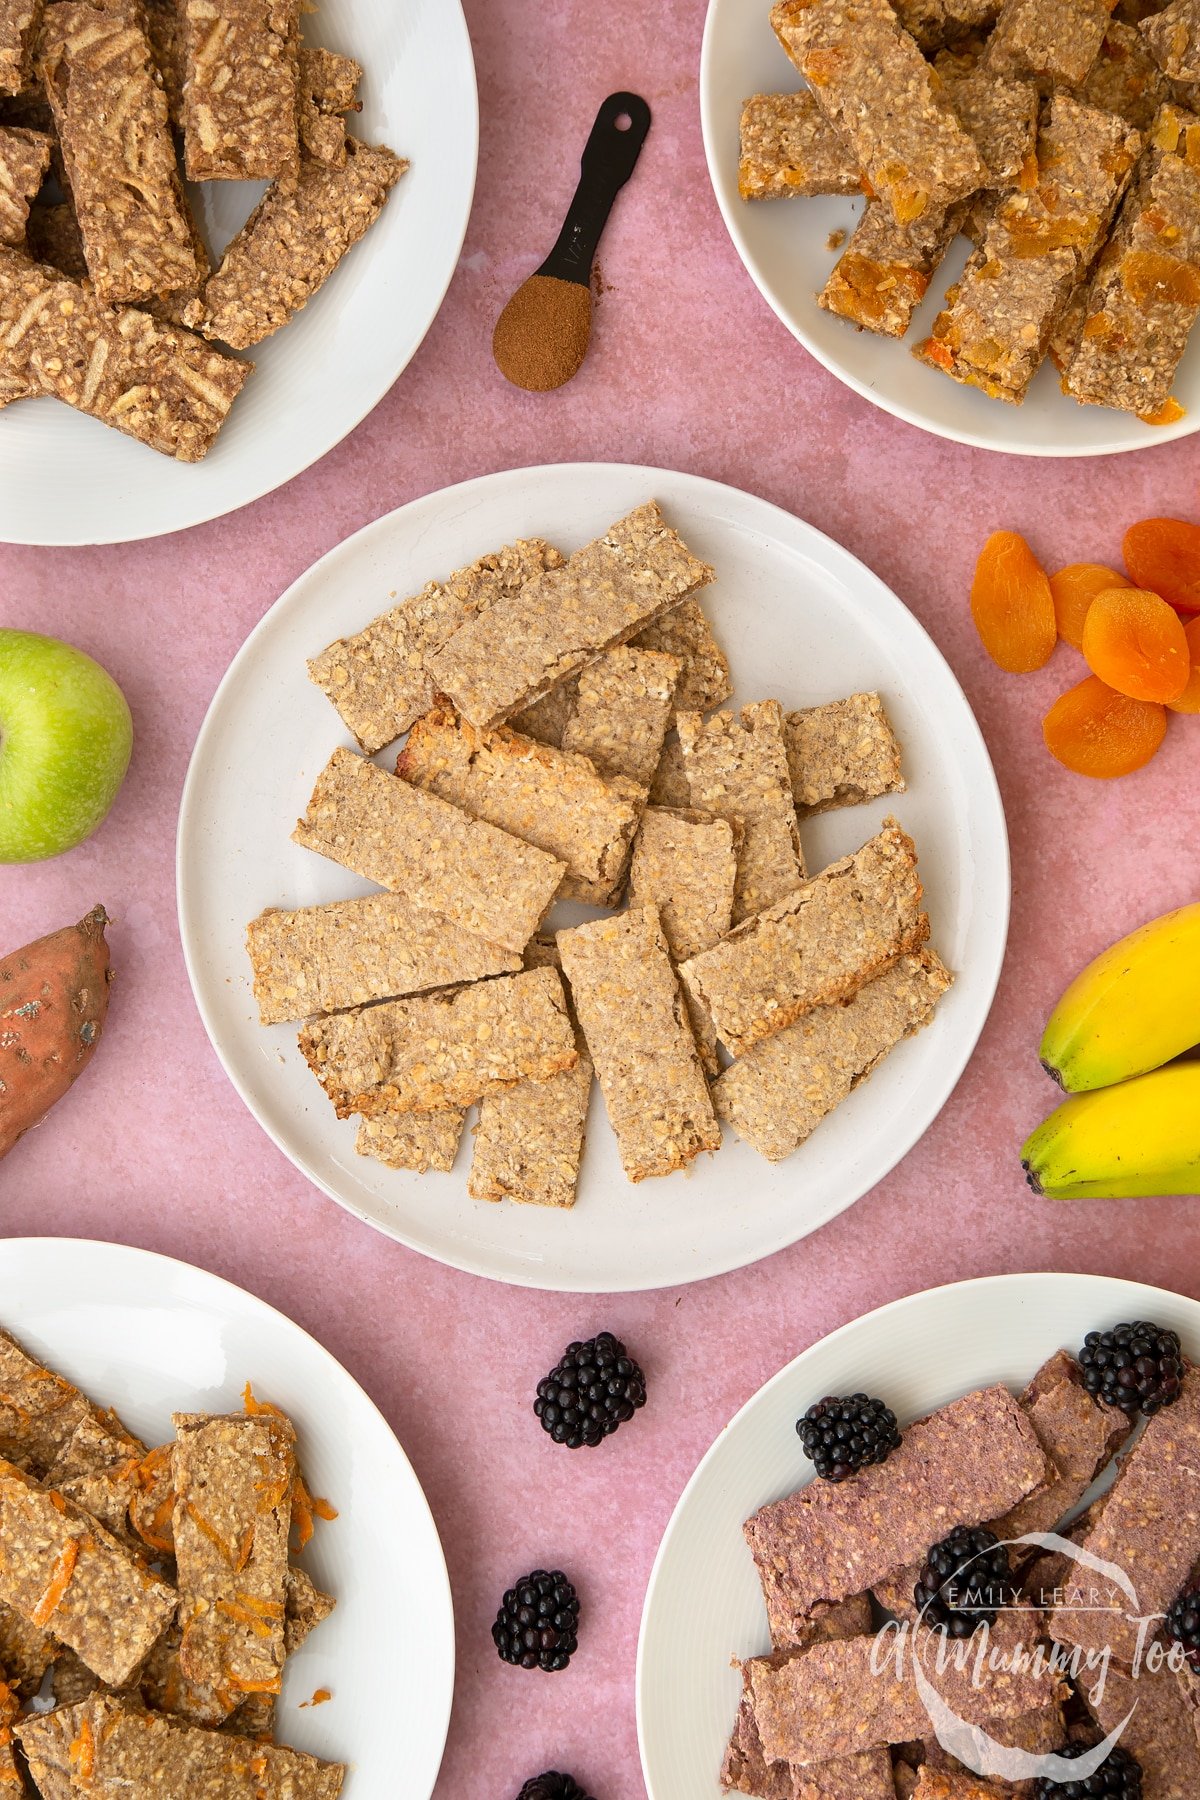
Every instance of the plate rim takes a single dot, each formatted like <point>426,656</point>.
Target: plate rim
<point>711,130</point>
<point>108,1248</point>
<point>207,513</point>
<point>1034,1278</point>
<point>539,1277</point>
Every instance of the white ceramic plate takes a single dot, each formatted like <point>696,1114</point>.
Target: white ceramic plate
<point>800,619</point>
<point>65,479</point>
<point>783,245</point>
<point>151,1336</point>
<point>704,1604</point>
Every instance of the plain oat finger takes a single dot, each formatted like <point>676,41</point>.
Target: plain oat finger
<point>737,768</point>
<point>841,754</point>
<point>633,1017</point>
<point>24,159</point>
<point>623,706</point>
<point>240,89</point>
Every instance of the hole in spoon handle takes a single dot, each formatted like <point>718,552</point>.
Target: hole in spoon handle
<point>609,158</point>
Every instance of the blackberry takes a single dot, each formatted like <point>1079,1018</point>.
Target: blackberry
<point>1138,1367</point>
<point>965,1581</point>
<point>552,1786</point>
<point>538,1623</point>
<point>1183,1624</point>
<point>843,1433</point>
<point>593,1388</point>
<point>1119,1777</point>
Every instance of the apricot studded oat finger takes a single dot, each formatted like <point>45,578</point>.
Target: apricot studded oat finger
<point>1144,299</point>
<point>789,147</point>
<point>998,321</point>
<point>874,85</point>
<point>1125,78</point>
<point>1173,37</point>
<point>292,242</point>
<point>24,159</point>
<point>1054,40</point>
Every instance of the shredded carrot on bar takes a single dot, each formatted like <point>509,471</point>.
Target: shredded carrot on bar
<point>245,1549</point>
<point>83,1751</point>
<point>60,1581</point>
<point>210,1531</point>
<point>256,1687</point>
<point>244,1616</point>
<point>255,1407</point>
<point>302,1514</point>
<point>324,1510</point>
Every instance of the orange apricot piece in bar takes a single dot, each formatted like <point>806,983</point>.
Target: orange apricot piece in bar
<point>1189,700</point>
<point>1012,605</point>
<point>1074,588</point>
<point>1095,731</point>
<point>1134,642</point>
<point>1163,555</point>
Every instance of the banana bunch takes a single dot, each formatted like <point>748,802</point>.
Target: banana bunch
<point>1131,1126</point>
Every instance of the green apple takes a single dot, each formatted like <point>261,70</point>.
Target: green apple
<point>65,741</point>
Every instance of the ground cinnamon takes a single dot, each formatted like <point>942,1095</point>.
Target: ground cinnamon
<point>542,335</point>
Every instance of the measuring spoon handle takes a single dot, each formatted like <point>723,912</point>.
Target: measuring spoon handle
<point>609,158</point>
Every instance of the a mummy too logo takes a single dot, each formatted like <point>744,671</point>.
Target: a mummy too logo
<point>979,1646</point>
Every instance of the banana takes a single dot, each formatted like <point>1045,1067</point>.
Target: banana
<point>1133,1009</point>
<point>1138,1139</point>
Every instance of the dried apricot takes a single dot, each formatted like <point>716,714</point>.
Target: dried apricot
<point>1134,641</point>
<point>1093,730</point>
<point>1012,605</point>
<point>1163,555</point>
<point>1074,588</point>
<point>1189,700</point>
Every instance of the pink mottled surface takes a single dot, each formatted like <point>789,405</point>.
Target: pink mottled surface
<point>689,369</point>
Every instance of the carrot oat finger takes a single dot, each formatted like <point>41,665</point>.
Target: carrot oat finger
<point>1053,40</point>
<point>156,383</point>
<point>438,856</point>
<point>61,1570</point>
<point>545,797</point>
<point>322,959</point>
<point>1000,317</point>
<point>623,706</point>
<point>292,242</point>
<point>417,1141</point>
<point>240,89</point>
<point>533,638</point>
<point>841,754</point>
<point>24,159</point>
<point>443,1051</point>
<point>111,113</point>
<point>777,1094</point>
<point>789,147</point>
<point>736,768</point>
<point>632,1013</point>
<point>377,678</point>
<point>233,1507</point>
<point>1145,296</point>
<point>98,1468</point>
<point>817,946</point>
<point>875,86</point>
<point>106,1749</point>
<point>39,1410</point>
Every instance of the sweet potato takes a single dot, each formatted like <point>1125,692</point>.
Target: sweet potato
<point>53,1002</point>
